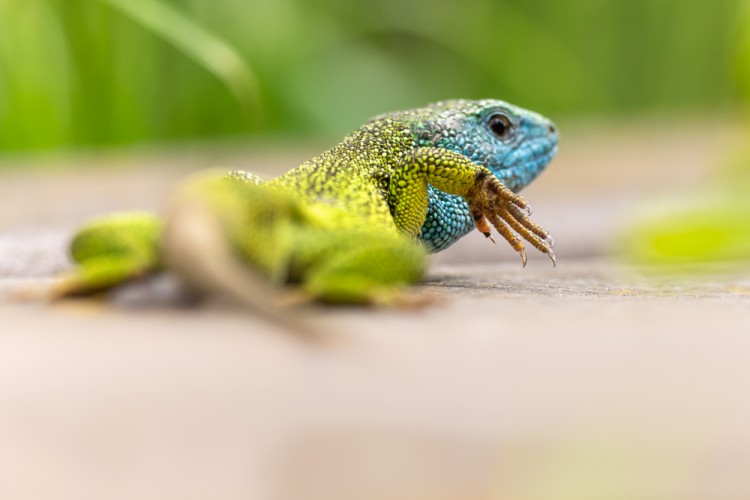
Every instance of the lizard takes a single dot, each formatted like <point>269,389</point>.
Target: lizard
<point>352,225</point>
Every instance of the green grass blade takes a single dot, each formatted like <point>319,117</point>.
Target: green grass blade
<point>202,46</point>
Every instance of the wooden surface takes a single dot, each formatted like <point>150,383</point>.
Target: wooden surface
<point>589,381</point>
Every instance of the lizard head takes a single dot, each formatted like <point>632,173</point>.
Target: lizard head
<point>514,143</point>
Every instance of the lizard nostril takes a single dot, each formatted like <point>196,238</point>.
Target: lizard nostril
<point>552,129</point>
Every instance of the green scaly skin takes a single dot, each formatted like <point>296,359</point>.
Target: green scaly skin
<point>343,226</point>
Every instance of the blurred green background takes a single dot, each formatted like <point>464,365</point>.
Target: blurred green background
<point>89,73</point>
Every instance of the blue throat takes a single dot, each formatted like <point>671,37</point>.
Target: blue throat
<point>448,219</point>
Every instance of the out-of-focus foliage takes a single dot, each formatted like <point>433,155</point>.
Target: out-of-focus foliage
<point>697,228</point>
<point>710,226</point>
<point>92,72</point>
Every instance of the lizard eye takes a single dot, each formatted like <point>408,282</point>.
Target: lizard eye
<point>500,125</point>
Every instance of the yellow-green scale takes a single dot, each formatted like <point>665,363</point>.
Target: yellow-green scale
<point>354,175</point>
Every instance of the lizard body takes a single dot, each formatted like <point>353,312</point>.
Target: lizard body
<point>354,223</point>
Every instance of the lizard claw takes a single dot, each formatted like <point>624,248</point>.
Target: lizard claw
<point>552,257</point>
<point>509,213</point>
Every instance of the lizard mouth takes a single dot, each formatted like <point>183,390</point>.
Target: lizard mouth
<point>545,152</point>
<point>525,162</point>
<point>533,153</point>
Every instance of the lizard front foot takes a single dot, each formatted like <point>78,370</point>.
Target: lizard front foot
<point>490,200</point>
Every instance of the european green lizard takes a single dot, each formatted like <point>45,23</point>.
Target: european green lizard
<point>351,225</point>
